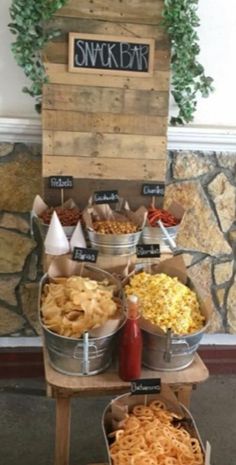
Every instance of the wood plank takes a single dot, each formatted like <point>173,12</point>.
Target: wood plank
<point>57,52</point>
<point>58,74</point>
<point>82,167</point>
<point>95,99</point>
<point>63,424</point>
<point>137,11</point>
<point>102,145</point>
<point>82,189</point>
<point>109,381</point>
<point>93,26</point>
<point>98,122</point>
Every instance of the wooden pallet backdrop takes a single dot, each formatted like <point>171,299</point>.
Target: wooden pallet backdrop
<point>107,131</point>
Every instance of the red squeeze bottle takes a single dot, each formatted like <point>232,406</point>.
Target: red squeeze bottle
<point>130,343</point>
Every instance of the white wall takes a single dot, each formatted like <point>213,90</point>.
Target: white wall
<point>217,39</point>
<point>13,102</point>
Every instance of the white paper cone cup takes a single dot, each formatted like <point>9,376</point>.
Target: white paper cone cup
<point>77,238</point>
<point>56,242</point>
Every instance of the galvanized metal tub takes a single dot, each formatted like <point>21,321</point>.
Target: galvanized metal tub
<point>112,244</point>
<point>86,355</point>
<point>154,235</point>
<point>168,351</point>
<point>111,417</point>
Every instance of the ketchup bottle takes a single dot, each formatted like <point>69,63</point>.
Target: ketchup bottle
<point>130,343</point>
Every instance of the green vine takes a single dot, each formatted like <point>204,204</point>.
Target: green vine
<point>28,20</point>
<point>180,19</point>
<point>188,75</point>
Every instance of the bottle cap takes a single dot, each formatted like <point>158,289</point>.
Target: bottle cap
<point>132,307</point>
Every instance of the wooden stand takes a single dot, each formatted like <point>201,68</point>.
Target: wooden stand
<point>62,388</point>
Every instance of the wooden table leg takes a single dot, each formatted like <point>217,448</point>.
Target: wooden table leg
<point>184,394</point>
<point>62,440</point>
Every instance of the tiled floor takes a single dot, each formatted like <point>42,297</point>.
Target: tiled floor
<point>27,423</point>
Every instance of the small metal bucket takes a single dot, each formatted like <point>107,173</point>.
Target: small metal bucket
<point>154,235</point>
<point>112,244</point>
<point>86,355</point>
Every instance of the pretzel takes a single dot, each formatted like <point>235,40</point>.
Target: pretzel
<point>147,437</point>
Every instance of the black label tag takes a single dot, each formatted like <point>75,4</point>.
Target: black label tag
<point>106,197</point>
<point>61,182</point>
<point>154,189</point>
<point>146,386</point>
<point>148,250</point>
<point>81,254</point>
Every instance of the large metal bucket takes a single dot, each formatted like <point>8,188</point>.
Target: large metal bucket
<point>169,352</point>
<point>86,355</point>
<point>112,416</point>
<point>112,244</point>
<point>78,356</point>
<point>154,235</point>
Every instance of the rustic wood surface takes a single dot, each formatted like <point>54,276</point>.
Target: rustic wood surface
<point>54,120</point>
<point>97,145</point>
<point>58,74</point>
<point>84,25</point>
<point>108,100</point>
<point>109,381</point>
<point>101,128</point>
<point>84,188</point>
<point>149,11</point>
<point>107,168</point>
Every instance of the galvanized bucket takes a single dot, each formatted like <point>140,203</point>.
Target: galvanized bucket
<point>112,244</point>
<point>168,351</point>
<point>154,235</point>
<point>86,355</point>
<point>111,417</point>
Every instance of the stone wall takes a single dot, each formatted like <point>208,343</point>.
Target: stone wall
<point>20,174</point>
<point>204,183</point>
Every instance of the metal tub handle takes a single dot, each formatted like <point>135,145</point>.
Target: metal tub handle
<point>86,346</point>
<point>171,345</point>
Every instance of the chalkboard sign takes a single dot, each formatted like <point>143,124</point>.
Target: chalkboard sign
<point>148,251</point>
<point>146,386</point>
<point>105,197</point>
<point>81,254</point>
<point>110,54</point>
<point>61,182</point>
<point>152,190</point>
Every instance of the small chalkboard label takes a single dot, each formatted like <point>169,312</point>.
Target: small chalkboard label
<point>145,386</point>
<point>148,251</point>
<point>153,189</point>
<point>61,182</point>
<point>110,54</point>
<point>105,197</point>
<point>81,254</point>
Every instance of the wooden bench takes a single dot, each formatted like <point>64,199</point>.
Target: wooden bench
<point>63,387</point>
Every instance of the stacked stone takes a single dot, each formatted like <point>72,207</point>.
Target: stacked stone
<point>20,174</point>
<point>204,184</point>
